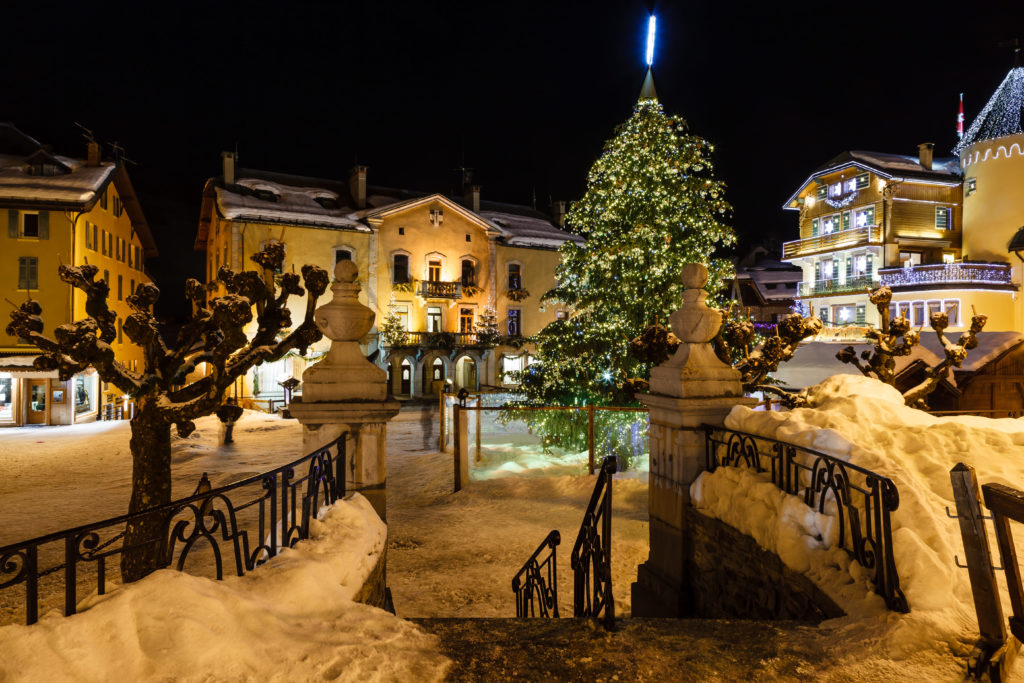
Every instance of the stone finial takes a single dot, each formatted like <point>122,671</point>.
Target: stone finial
<point>345,374</point>
<point>694,322</point>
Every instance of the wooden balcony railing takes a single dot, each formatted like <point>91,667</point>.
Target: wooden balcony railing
<point>843,239</point>
<point>430,289</point>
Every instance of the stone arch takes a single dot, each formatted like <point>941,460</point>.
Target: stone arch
<point>466,369</point>
<point>435,366</point>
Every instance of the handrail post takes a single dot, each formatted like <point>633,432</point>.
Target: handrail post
<point>441,431</point>
<point>479,404</point>
<point>590,438</point>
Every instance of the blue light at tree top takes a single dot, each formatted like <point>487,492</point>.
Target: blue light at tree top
<point>650,41</point>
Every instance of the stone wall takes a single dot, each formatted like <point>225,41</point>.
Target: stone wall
<point>374,590</point>
<point>731,576</point>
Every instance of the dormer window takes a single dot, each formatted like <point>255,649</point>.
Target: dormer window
<point>329,203</point>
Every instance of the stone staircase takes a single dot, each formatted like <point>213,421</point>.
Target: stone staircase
<point>638,650</point>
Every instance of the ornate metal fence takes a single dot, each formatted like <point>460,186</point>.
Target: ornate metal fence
<point>863,501</point>
<point>536,584</point>
<point>591,558</point>
<point>277,508</point>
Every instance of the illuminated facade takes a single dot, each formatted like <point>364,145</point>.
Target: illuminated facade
<point>438,267</point>
<point>63,210</point>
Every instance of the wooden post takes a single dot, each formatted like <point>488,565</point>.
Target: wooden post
<point>444,425</point>
<point>590,437</point>
<point>979,556</point>
<point>479,404</point>
<point>461,446</point>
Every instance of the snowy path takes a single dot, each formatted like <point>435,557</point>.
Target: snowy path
<point>449,555</point>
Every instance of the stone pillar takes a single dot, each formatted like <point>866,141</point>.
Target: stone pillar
<point>347,394</point>
<point>691,388</point>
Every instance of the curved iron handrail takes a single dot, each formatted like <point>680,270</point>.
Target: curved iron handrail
<point>591,558</point>
<point>863,500</point>
<point>283,519</point>
<point>536,584</point>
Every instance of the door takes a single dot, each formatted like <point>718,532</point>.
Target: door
<point>37,401</point>
<point>406,378</point>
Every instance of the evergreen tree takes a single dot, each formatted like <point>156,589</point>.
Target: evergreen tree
<point>392,331</point>
<point>487,333</point>
<point>651,204</point>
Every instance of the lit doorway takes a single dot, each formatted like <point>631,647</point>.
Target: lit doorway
<point>406,386</point>
<point>37,401</point>
<point>465,374</point>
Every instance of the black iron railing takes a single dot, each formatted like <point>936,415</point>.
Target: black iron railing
<point>861,500</point>
<point>278,513</point>
<point>434,289</point>
<point>591,559</point>
<point>536,584</point>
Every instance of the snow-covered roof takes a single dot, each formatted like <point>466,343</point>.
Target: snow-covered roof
<point>885,165</point>
<point>1001,115</point>
<point>991,345</point>
<point>529,231</point>
<point>259,199</point>
<point>77,188</point>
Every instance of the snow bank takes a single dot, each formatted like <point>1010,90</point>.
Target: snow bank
<point>291,619</point>
<point>865,422</point>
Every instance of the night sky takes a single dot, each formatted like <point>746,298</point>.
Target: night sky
<point>524,93</point>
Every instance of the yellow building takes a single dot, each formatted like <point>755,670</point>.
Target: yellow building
<point>63,210</point>
<point>869,219</point>
<point>436,265</point>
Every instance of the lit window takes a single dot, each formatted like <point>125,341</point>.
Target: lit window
<point>434,319</point>
<point>971,186</point>
<point>909,259</point>
<point>830,224</point>
<point>465,320</point>
<point>943,218</point>
<point>434,270</point>
<point>438,370</point>
<point>835,189</point>
<point>511,364</point>
<point>948,257</point>
<point>515,276</point>
<point>561,315</point>
<point>468,273</point>
<point>860,265</point>
<point>402,311</point>
<point>514,321</point>
<point>864,217</point>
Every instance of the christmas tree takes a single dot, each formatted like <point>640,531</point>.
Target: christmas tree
<point>487,333</point>
<point>651,204</point>
<point>392,330</point>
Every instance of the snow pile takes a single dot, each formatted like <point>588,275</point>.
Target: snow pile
<point>865,422</point>
<point>291,619</point>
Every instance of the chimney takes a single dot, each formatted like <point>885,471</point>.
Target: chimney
<point>471,198</point>
<point>357,185</point>
<point>229,159</point>
<point>924,154</point>
<point>93,158</point>
<point>558,213</point>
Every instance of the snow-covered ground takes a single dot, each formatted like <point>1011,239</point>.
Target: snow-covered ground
<point>294,619</point>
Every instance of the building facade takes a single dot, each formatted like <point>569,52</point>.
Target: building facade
<point>62,210</point>
<point>440,269</point>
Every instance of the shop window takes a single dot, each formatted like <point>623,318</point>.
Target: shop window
<point>85,394</point>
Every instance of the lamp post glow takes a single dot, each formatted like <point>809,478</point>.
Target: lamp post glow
<point>650,41</point>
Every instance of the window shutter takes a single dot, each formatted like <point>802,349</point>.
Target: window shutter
<point>846,220</point>
<point>835,269</point>
<point>861,313</point>
<point>814,227</point>
<point>44,225</point>
<point>817,271</point>
<point>849,267</point>
<point>871,269</point>
<point>12,224</point>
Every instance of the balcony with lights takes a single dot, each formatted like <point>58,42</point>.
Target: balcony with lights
<point>841,239</point>
<point>851,285</point>
<point>998,276</point>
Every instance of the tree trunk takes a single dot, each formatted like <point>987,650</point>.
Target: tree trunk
<point>151,486</point>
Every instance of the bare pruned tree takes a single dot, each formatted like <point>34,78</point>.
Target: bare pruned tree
<point>213,335</point>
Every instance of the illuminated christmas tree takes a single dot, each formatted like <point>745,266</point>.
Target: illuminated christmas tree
<point>651,204</point>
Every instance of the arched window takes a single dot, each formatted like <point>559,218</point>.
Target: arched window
<point>468,273</point>
<point>401,269</point>
<point>342,254</point>
<point>437,369</point>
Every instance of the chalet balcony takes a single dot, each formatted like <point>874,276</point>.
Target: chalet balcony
<point>431,289</point>
<point>949,276</point>
<point>851,285</point>
<point>843,239</point>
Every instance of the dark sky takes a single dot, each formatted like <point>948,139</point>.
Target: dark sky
<point>524,92</point>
